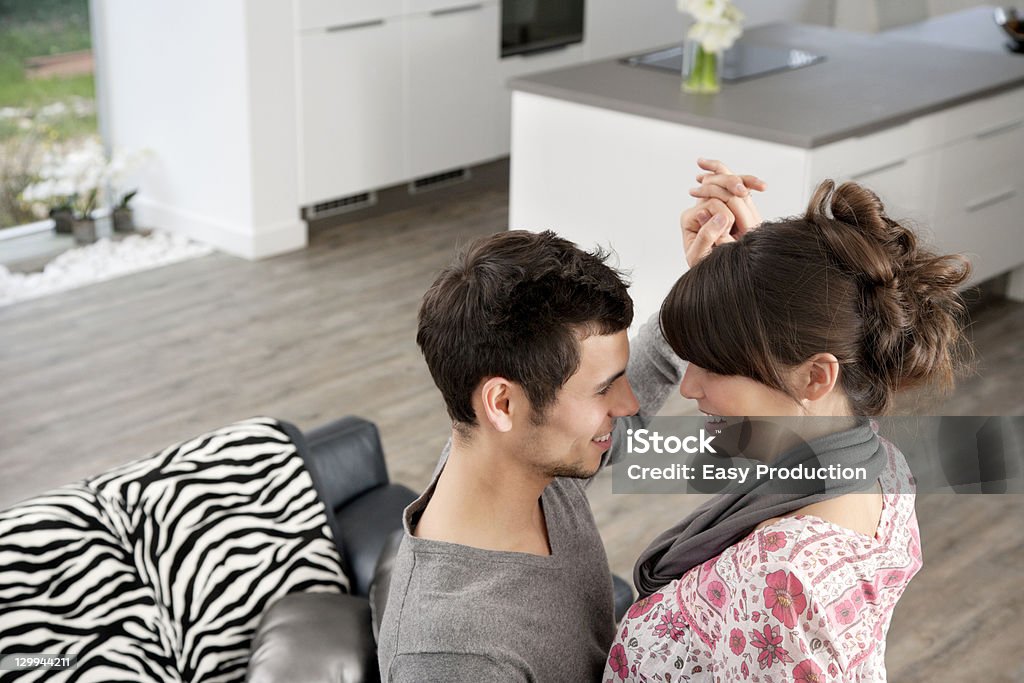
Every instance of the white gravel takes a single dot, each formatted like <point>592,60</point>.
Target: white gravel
<point>97,262</point>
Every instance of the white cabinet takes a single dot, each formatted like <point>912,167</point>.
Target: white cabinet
<point>352,128</point>
<point>978,194</point>
<point>387,99</point>
<point>393,90</point>
<point>451,73</point>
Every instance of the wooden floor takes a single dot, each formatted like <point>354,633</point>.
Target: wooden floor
<point>105,374</point>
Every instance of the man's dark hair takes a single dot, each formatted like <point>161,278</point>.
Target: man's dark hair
<point>517,305</point>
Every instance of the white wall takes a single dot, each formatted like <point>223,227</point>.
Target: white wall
<point>273,128</point>
<point>862,15</point>
<point>803,11</point>
<point>209,87</point>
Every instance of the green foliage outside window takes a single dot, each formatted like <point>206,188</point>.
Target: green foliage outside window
<point>36,114</point>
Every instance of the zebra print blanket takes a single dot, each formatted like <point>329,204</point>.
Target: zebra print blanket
<point>160,569</point>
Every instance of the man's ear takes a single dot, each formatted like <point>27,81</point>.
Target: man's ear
<point>818,376</point>
<point>496,397</point>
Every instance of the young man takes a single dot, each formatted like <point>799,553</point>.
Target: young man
<point>501,574</point>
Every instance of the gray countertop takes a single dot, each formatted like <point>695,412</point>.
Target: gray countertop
<point>867,83</point>
<point>971,29</point>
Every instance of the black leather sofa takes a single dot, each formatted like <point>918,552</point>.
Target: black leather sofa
<point>325,637</point>
<point>319,637</point>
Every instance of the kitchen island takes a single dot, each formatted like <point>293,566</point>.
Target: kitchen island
<point>604,153</point>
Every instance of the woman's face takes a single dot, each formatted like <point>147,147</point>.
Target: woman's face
<point>735,396</point>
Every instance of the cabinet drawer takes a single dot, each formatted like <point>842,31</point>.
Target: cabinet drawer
<point>901,185</point>
<point>898,183</point>
<point>970,172</point>
<point>325,14</point>
<point>988,232</point>
<point>863,156</point>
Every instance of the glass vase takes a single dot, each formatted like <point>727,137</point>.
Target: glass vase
<point>702,69</point>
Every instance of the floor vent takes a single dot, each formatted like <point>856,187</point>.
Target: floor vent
<point>341,205</point>
<point>433,182</point>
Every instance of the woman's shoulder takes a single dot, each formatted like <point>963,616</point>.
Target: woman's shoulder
<point>821,556</point>
<point>801,540</point>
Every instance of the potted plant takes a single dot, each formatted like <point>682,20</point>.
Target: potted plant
<point>54,199</point>
<point>62,215</point>
<point>121,178</point>
<point>123,215</point>
<point>83,224</point>
<point>85,168</point>
<point>70,183</point>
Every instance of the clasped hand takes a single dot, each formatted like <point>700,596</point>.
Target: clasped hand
<point>725,212</point>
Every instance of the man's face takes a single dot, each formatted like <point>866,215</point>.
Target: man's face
<point>576,429</point>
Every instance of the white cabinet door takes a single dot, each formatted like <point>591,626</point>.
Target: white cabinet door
<point>452,71</point>
<point>353,138</point>
<point>313,14</point>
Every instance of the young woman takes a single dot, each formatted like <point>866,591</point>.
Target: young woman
<point>825,314</point>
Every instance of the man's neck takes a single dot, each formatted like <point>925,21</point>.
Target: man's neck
<point>486,499</point>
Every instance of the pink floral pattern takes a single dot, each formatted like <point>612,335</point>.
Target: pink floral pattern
<point>736,641</point>
<point>774,541</point>
<point>642,607</point>
<point>716,593</point>
<point>784,596</point>
<point>800,599</point>
<point>671,625</point>
<point>845,612</point>
<point>807,672</point>
<point>617,662</point>
<point>769,642</point>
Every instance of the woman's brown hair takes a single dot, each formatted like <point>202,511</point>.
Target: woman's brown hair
<point>844,279</point>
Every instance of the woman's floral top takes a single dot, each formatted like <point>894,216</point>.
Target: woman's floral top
<point>800,599</point>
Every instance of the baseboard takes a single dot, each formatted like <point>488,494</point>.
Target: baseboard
<point>245,241</point>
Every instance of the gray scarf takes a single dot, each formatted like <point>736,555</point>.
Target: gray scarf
<point>730,516</point>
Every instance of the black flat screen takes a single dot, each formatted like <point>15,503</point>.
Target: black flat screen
<point>537,25</point>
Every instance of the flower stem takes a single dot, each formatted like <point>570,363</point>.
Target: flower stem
<point>703,76</point>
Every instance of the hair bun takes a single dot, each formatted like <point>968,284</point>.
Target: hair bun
<point>912,309</point>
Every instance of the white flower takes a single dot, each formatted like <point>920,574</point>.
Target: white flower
<point>37,192</point>
<point>705,10</point>
<point>718,25</point>
<point>82,173</point>
<point>714,37</point>
<point>123,164</point>
<point>733,15</point>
